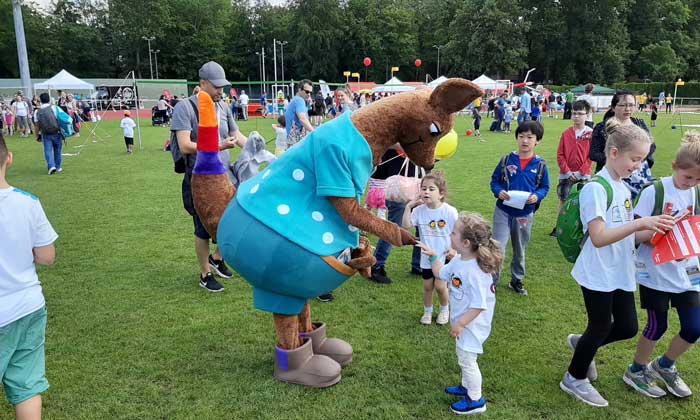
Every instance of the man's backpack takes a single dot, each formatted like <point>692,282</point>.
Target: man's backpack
<point>179,159</point>
<point>47,120</point>
<point>569,231</point>
<point>659,198</point>
<point>541,167</point>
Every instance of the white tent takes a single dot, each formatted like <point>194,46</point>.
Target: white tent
<point>437,82</point>
<point>64,80</point>
<point>394,85</point>
<point>486,82</point>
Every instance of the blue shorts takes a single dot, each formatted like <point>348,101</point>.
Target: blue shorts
<point>283,274</point>
<point>22,361</point>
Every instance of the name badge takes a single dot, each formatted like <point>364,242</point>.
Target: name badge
<point>693,275</point>
<point>641,272</point>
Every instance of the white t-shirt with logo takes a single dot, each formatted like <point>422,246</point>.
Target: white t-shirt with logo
<point>610,267</point>
<point>470,288</point>
<point>434,227</point>
<point>673,276</point>
<point>128,125</point>
<point>281,138</point>
<point>22,109</point>
<point>23,227</point>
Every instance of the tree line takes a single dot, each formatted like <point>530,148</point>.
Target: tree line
<point>567,41</point>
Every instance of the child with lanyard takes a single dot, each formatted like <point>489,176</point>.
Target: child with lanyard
<point>677,282</point>
<point>435,220</point>
<point>605,268</point>
<point>472,299</point>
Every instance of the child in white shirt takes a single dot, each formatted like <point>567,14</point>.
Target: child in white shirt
<point>472,301</point>
<point>127,124</point>
<point>435,220</point>
<point>281,135</point>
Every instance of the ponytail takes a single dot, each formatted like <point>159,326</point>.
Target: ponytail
<point>477,231</point>
<point>489,256</point>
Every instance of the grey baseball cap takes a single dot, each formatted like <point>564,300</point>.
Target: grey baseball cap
<point>213,72</point>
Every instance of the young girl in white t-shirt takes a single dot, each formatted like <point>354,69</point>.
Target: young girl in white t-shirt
<point>605,267</point>
<point>677,282</point>
<point>472,301</point>
<point>435,220</point>
<point>280,136</point>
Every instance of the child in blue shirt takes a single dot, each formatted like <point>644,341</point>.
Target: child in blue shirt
<point>519,171</point>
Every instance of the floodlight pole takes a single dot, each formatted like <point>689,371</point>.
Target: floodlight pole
<point>155,54</point>
<point>150,62</point>
<point>439,47</point>
<point>138,119</point>
<point>282,44</point>
<point>274,52</point>
<point>263,68</point>
<point>22,49</point>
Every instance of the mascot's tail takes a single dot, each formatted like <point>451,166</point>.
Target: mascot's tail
<point>211,188</point>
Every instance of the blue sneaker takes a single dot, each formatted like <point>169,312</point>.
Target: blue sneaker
<point>467,406</point>
<point>457,390</point>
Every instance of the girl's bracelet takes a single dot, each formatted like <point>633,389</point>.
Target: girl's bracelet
<point>433,258</point>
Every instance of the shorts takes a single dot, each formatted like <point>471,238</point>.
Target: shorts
<point>22,122</point>
<point>22,358</point>
<point>199,230</point>
<point>477,124</point>
<point>564,188</point>
<point>658,300</point>
<point>427,273</point>
<point>129,141</point>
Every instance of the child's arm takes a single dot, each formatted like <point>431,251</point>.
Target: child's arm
<point>561,157</point>
<point>601,236</point>
<point>45,255</point>
<point>497,188</point>
<point>435,263</point>
<point>406,219</point>
<point>464,320</point>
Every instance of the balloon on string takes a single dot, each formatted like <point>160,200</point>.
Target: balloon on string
<point>367,61</point>
<point>418,62</point>
<point>469,132</point>
<point>446,146</point>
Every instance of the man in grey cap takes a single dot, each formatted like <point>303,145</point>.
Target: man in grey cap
<point>212,80</point>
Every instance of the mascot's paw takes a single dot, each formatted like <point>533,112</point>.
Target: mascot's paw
<point>407,238</point>
<point>363,258</point>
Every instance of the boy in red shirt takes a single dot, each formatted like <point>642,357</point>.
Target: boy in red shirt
<point>572,154</point>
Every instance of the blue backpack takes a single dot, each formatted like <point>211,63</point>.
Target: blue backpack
<point>65,122</point>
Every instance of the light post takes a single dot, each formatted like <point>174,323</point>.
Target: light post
<point>263,69</point>
<point>282,44</point>
<point>259,69</point>
<point>150,63</point>
<point>439,47</point>
<point>155,54</point>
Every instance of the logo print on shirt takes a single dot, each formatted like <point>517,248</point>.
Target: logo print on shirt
<point>512,169</point>
<point>628,210</point>
<point>441,223</point>
<point>432,224</point>
<point>456,282</point>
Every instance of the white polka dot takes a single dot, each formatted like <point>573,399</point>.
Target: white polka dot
<point>298,175</point>
<point>317,216</point>
<point>352,228</point>
<point>266,174</point>
<point>255,188</point>
<point>327,238</point>
<point>283,209</point>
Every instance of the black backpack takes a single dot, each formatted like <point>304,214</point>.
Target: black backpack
<point>319,101</point>
<point>48,121</point>
<point>180,160</point>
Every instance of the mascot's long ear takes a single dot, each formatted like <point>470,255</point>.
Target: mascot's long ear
<point>454,94</point>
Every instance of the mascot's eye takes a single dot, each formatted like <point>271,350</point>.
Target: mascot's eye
<point>434,129</point>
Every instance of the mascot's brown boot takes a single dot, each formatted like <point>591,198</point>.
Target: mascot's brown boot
<point>301,366</point>
<point>335,348</point>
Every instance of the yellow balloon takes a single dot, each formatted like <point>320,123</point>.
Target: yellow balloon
<point>446,146</point>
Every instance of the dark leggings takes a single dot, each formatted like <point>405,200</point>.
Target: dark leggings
<point>658,323</point>
<point>612,316</point>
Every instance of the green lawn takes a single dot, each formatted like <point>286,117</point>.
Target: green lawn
<point>132,336</point>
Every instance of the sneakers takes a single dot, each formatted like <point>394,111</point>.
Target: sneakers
<point>592,373</point>
<point>467,406</point>
<point>379,275</point>
<point>443,318</point>
<point>59,170</point>
<point>457,390</point>
<point>518,288</point>
<point>52,170</point>
<point>326,298</point>
<point>643,383</point>
<point>219,267</point>
<point>582,390</point>
<point>209,283</point>
<point>670,378</point>
<point>427,318</point>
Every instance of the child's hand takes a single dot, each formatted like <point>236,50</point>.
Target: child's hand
<point>503,195</point>
<point>425,249</point>
<point>415,203</point>
<point>532,199</point>
<point>456,330</point>
<point>656,223</point>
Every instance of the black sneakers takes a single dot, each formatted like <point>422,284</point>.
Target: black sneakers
<point>379,275</point>
<point>326,298</point>
<point>209,283</point>
<point>518,288</point>
<point>220,268</point>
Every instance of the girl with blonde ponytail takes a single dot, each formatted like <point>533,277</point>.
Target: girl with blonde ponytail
<point>472,300</point>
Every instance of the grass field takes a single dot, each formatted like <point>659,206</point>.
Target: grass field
<point>132,336</point>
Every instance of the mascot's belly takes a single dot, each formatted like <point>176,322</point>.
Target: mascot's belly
<point>283,274</point>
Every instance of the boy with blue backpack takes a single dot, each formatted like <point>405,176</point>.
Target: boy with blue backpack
<point>518,171</point>
<point>48,123</point>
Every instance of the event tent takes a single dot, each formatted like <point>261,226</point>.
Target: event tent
<point>394,85</point>
<point>486,82</point>
<point>64,80</point>
<point>437,82</point>
<point>598,90</point>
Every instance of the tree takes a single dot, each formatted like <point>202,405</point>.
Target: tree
<point>660,61</point>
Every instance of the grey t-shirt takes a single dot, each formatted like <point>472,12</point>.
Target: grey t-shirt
<point>185,119</point>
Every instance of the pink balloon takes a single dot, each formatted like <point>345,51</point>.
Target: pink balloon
<point>367,61</point>
<point>419,62</point>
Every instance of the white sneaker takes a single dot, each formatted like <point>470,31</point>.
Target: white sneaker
<point>52,170</point>
<point>582,390</point>
<point>427,318</point>
<point>443,318</point>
